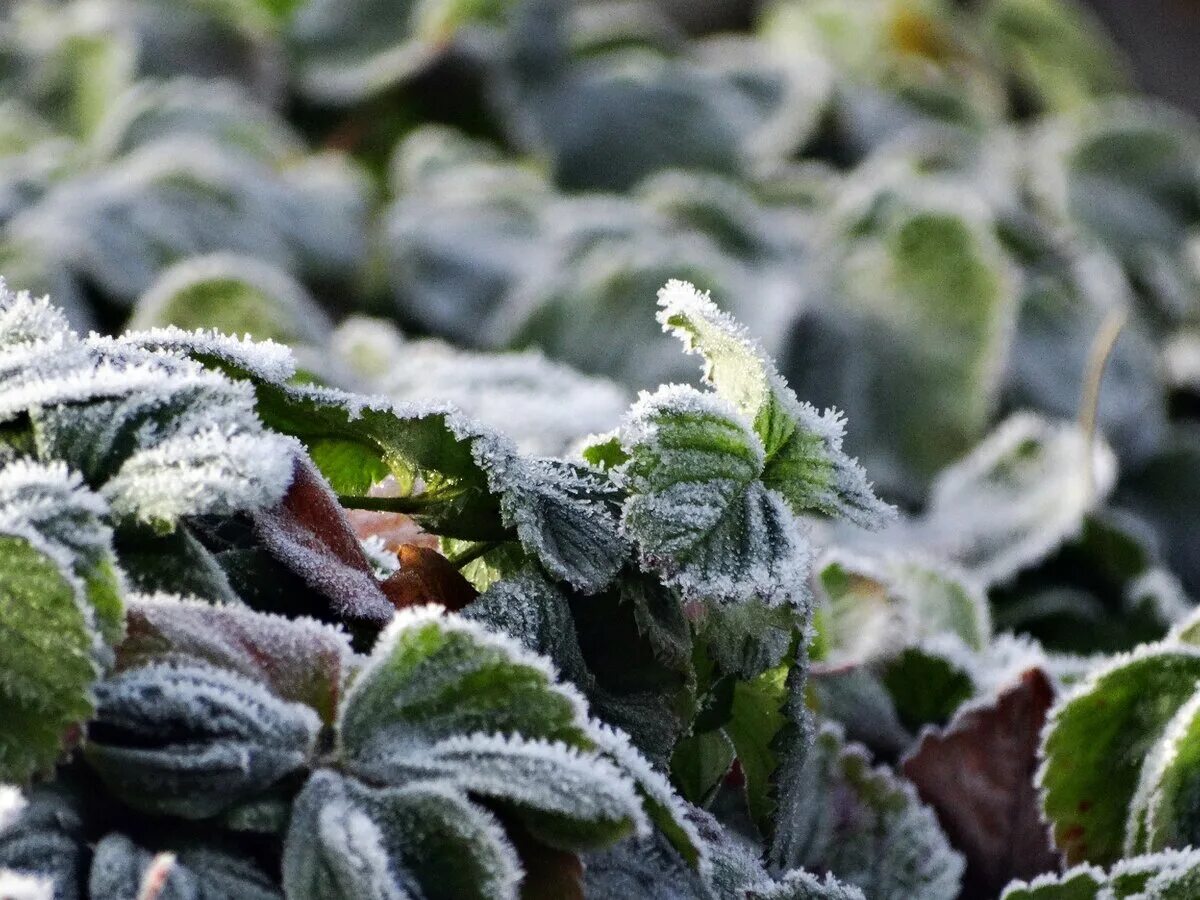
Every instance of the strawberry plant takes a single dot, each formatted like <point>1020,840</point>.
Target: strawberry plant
<point>368,530</point>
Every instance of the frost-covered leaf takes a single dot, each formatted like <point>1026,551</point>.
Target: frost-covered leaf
<point>124,871</point>
<point>308,533</point>
<point>60,610</point>
<point>637,646</point>
<point>120,226</point>
<point>1096,743</point>
<point>214,109</point>
<point>804,460</point>
<point>698,509</point>
<point>43,836</point>
<point>876,606</point>
<point>476,484</point>
<point>442,699</point>
<point>1019,495</point>
<point>977,774</point>
<point>351,841</point>
<point>466,228</point>
<point>914,300</point>
<point>723,108</point>
<point>345,52</point>
<point>927,682</point>
<point>159,435</point>
<point>299,660</point>
<point>192,740</point>
<point>1162,814</point>
<point>865,826</point>
<point>1125,171</point>
<point>1057,50</point>
<point>236,295</point>
<point>530,609</point>
<point>544,406</point>
<point>1169,875</point>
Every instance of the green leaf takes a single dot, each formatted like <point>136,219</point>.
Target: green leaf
<point>928,683</point>
<point>804,460</point>
<point>874,606</point>
<point>476,485</point>
<point>443,699</point>
<point>349,841</point>
<point>700,763</point>
<point>697,508</point>
<point>1096,742</point>
<point>1163,812</point>
<point>1170,875</point>
<point>239,295</point>
<point>192,741</point>
<point>866,826</point>
<point>49,651</point>
<point>1059,53</point>
<point>755,720</point>
<point>60,607</point>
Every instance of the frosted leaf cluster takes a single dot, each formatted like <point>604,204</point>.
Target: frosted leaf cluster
<point>160,435</point>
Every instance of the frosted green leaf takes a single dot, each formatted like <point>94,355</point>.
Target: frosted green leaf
<point>1018,496</point>
<point>913,277</point>
<point>218,110</point>
<point>160,435</point>
<point>1057,50</point>
<point>1125,171</point>
<point>60,610</point>
<point>1095,744</point>
<point>1162,814</point>
<point>697,508</point>
<point>877,605</point>
<point>192,741</point>
<point>544,406</point>
<point>866,826</point>
<point>1170,875</point>
<point>1080,883</point>
<point>443,700</point>
<point>476,485</point>
<point>237,295</point>
<point>350,841</point>
<point>804,460</point>
<point>345,52</point>
<point>531,609</point>
<point>120,226</point>
<point>122,869</point>
<point>50,507</point>
<point>466,227</point>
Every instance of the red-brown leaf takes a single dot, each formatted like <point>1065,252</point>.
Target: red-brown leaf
<point>308,532</point>
<point>977,774</point>
<point>425,576</point>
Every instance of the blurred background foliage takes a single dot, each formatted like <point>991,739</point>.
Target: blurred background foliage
<point>932,212</point>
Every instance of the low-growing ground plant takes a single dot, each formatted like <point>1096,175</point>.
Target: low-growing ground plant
<point>362,534</point>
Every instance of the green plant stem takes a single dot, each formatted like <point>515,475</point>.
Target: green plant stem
<point>409,505</point>
<point>472,553</point>
<point>1093,378</point>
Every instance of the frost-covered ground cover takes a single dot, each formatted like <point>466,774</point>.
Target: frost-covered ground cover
<point>368,530</point>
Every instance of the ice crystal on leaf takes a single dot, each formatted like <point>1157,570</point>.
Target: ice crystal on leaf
<point>698,509</point>
<point>60,610</point>
<point>804,459</point>
<point>157,433</point>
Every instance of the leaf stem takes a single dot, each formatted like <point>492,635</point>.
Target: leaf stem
<point>471,553</point>
<point>387,504</point>
<point>1089,403</point>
